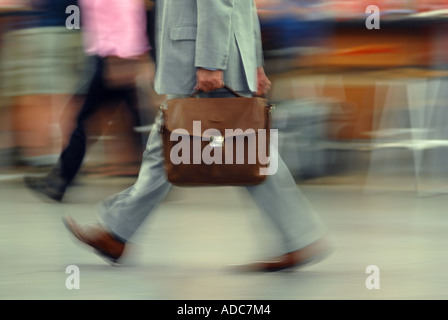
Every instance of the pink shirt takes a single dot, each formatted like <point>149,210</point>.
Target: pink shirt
<point>114,27</point>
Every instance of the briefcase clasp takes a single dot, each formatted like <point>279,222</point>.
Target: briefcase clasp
<point>216,141</point>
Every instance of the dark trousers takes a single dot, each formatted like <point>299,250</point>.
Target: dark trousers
<point>98,96</point>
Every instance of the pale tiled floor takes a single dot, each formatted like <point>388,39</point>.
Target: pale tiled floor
<point>184,250</point>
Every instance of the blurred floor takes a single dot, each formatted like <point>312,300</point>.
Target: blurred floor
<point>183,252</point>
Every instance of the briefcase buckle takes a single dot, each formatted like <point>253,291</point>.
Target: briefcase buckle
<point>216,141</point>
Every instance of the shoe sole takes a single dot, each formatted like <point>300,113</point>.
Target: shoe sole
<point>291,268</point>
<point>309,262</point>
<point>112,261</point>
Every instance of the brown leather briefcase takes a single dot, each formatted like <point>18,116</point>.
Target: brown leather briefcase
<point>216,141</point>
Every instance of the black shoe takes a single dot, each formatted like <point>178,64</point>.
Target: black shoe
<point>50,187</point>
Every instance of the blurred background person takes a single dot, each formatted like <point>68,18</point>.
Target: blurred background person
<point>40,69</point>
<point>115,37</point>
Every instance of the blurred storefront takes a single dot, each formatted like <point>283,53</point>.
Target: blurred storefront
<point>343,91</point>
<point>372,88</point>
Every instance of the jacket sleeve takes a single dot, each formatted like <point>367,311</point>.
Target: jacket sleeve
<point>214,33</point>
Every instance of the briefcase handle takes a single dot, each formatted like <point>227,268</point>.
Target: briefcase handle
<point>194,94</point>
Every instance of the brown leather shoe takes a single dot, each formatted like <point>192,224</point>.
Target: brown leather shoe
<point>98,238</point>
<point>308,255</point>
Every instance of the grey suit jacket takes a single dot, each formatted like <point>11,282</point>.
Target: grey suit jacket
<point>221,34</point>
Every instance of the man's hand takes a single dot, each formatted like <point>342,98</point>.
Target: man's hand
<point>264,84</point>
<point>208,80</point>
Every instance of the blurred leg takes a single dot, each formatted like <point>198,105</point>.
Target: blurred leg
<point>285,205</point>
<point>124,212</point>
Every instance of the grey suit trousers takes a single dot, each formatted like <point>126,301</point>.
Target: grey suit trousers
<point>278,197</point>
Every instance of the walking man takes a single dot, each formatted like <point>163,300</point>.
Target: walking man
<point>204,45</point>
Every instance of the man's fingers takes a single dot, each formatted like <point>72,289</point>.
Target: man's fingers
<point>264,84</point>
<point>263,88</point>
<point>209,80</point>
<point>208,86</point>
